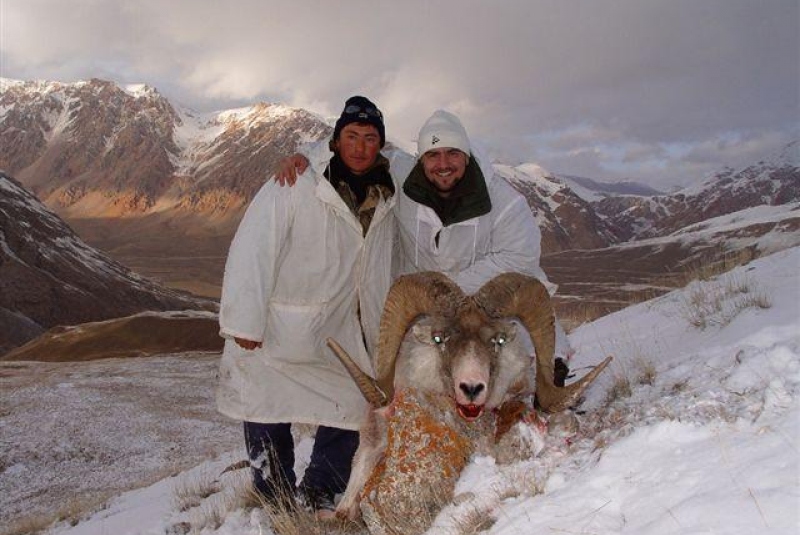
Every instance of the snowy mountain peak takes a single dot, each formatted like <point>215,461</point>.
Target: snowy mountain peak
<point>141,91</point>
<point>95,149</point>
<point>534,170</point>
<point>7,83</point>
<point>257,113</point>
<point>785,161</point>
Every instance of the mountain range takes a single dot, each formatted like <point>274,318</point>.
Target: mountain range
<point>160,189</point>
<point>96,150</point>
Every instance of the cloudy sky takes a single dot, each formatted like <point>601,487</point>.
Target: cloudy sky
<point>657,91</point>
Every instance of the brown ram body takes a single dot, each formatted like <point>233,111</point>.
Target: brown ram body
<point>458,357</point>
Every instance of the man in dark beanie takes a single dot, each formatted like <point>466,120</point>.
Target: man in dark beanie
<point>308,263</point>
<point>357,167</point>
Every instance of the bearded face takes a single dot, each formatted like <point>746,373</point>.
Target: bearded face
<point>444,167</point>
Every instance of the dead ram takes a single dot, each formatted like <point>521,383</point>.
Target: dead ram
<point>447,364</point>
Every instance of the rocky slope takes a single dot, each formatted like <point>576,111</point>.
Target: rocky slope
<point>566,220</point>
<point>595,282</point>
<point>49,276</point>
<point>95,152</point>
<point>94,149</point>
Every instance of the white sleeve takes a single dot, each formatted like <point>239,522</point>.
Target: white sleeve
<point>318,154</point>
<point>252,264</point>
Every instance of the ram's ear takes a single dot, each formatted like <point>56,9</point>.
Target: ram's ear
<point>509,329</point>
<point>422,333</point>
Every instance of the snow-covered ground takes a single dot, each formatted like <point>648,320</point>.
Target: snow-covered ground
<point>695,430</point>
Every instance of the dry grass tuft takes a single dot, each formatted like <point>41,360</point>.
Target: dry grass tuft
<point>625,379</point>
<point>620,388</point>
<point>708,269</point>
<point>207,502</point>
<point>718,302</point>
<point>212,512</point>
<point>475,521</point>
<point>573,317</point>
<point>645,372</point>
<point>295,520</point>
<point>680,386</point>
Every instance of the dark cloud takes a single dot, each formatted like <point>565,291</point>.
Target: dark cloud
<point>655,90</point>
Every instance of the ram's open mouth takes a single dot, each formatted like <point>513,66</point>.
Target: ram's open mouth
<point>470,412</point>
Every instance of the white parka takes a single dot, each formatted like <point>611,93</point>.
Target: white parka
<point>298,272</point>
<point>474,251</point>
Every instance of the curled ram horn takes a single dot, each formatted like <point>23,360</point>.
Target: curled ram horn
<point>524,297</point>
<point>411,296</point>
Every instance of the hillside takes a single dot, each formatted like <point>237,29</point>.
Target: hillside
<point>774,180</point>
<point>140,335</point>
<point>94,149</point>
<point>124,161</point>
<point>595,282</point>
<point>50,277</point>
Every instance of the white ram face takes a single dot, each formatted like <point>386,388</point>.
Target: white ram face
<point>475,367</point>
<point>471,375</point>
<point>420,361</point>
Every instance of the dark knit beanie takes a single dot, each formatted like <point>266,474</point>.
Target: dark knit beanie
<point>359,109</point>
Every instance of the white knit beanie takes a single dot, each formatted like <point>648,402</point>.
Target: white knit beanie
<point>442,129</point>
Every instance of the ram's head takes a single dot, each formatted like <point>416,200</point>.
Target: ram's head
<point>436,339</point>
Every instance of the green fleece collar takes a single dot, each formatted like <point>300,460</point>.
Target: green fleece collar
<point>469,198</point>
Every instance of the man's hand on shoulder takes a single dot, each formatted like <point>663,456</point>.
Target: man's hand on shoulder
<point>289,168</point>
<point>247,344</point>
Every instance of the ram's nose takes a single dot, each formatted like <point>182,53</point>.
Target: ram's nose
<point>472,390</point>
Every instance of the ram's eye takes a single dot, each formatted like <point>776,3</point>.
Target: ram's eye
<point>438,338</point>
<point>499,339</point>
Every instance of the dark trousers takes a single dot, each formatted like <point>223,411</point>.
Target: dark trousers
<point>270,448</point>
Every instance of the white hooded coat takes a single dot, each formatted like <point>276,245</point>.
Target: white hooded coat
<point>298,271</point>
<point>474,251</point>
